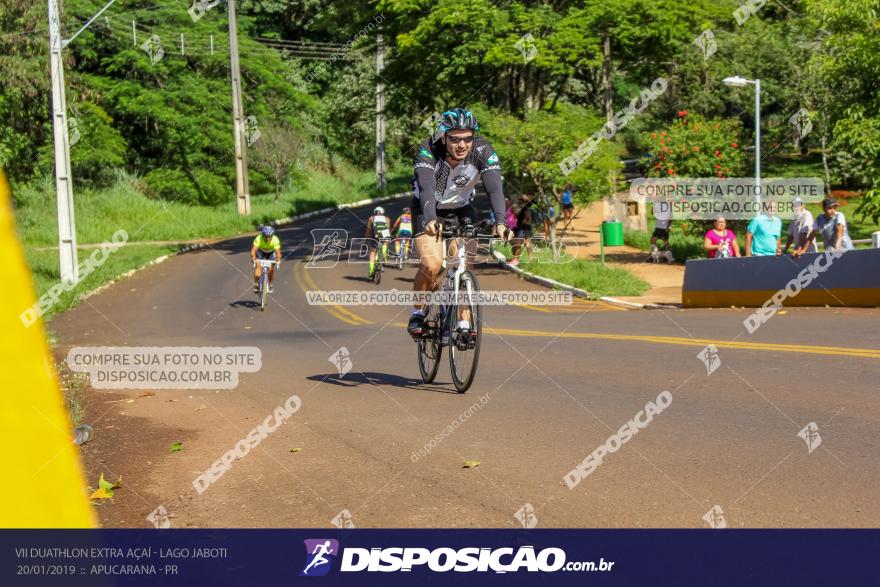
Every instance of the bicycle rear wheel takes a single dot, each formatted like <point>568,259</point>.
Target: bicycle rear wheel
<point>464,347</point>
<point>429,348</point>
<point>377,272</point>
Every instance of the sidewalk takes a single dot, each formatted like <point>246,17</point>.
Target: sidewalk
<point>666,280</point>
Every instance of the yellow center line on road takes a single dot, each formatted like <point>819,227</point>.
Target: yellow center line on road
<point>697,342</point>
<point>574,307</point>
<point>337,311</point>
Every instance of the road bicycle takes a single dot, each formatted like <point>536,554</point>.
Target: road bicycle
<point>381,257</point>
<point>263,287</point>
<point>404,252</point>
<point>461,289</point>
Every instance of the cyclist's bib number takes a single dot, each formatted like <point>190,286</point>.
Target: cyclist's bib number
<point>385,233</point>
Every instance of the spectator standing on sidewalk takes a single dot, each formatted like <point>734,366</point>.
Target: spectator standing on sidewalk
<point>720,241</point>
<point>523,238</point>
<point>567,205</point>
<point>799,228</point>
<point>663,218</point>
<point>832,226</point>
<point>763,234</point>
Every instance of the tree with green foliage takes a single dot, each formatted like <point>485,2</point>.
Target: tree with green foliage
<point>24,85</point>
<point>275,153</point>
<point>850,61</point>
<point>531,150</point>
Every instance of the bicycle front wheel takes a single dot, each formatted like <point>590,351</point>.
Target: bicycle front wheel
<point>464,344</point>
<point>264,286</point>
<point>429,347</point>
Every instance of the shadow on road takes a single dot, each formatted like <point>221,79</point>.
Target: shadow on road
<point>353,379</point>
<point>359,278</point>
<point>245,304</point>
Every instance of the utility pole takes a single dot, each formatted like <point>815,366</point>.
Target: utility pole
<point>241,177</point>
<point>381,182</point>
<point>609,101</point>
<point>63,179</point>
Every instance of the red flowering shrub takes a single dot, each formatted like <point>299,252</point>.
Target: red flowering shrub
<point>695,147</point>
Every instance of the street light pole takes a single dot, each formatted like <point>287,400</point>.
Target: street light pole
<point>740,82</point>
<point>758,140</point>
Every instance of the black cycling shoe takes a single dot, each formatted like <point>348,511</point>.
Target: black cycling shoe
<point>416,326</point>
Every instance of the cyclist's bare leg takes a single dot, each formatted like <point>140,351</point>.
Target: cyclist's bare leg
<point>430,265</point>
<point>372,259</point>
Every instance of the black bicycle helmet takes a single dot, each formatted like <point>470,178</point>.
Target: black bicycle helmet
<point>458,119</point>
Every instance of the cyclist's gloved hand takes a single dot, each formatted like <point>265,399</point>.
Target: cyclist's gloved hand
<point>432,228</point>
<point>503,232</point>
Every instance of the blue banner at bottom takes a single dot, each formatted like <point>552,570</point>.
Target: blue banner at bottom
<point>319,557</point>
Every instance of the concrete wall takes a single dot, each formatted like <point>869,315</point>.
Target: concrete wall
<point>631,210</point>
<point>852,279</point>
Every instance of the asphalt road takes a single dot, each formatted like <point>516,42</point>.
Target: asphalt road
<point>554,383</point>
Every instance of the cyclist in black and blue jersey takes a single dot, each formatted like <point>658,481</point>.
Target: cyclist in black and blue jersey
<point>446,172</point>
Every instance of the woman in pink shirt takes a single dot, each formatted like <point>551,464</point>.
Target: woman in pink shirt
<point>720,241</point>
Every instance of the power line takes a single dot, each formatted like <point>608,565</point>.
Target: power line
<point>303,43</point>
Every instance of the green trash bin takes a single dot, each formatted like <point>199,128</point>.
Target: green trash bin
<point>612,233</point>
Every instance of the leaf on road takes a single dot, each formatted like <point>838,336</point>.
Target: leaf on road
<point>104,484</point>
<point>295,450</point>
<point>176,446</point>
<point>105,488</point>
<point>101,493</point>
<point>147,394</point>
<point>129,401</point>
<point>781,312</point>
<point>470,464</point>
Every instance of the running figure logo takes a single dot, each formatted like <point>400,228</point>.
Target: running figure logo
<point>710,358</point>
<point>342,361</point>
<point>328,246</point>
<point>715,517</point>
<point>810,435</point>
<point>526,516</point>
<point>320,553</point>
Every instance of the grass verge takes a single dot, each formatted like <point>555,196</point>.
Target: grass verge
<point>585,274</point>
<point>101,212</point>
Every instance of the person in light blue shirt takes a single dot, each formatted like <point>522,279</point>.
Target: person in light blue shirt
<point>762,234</point>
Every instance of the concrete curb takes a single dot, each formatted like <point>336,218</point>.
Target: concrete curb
<point>195,246</point>
<point>581,293</point>
<point>338,207</point>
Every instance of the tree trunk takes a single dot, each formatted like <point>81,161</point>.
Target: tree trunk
<point>825,165</point>
<point>609,104</point>
<point>606,77</point>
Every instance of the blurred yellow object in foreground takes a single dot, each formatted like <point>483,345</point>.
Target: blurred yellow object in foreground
<point>43,484</point>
